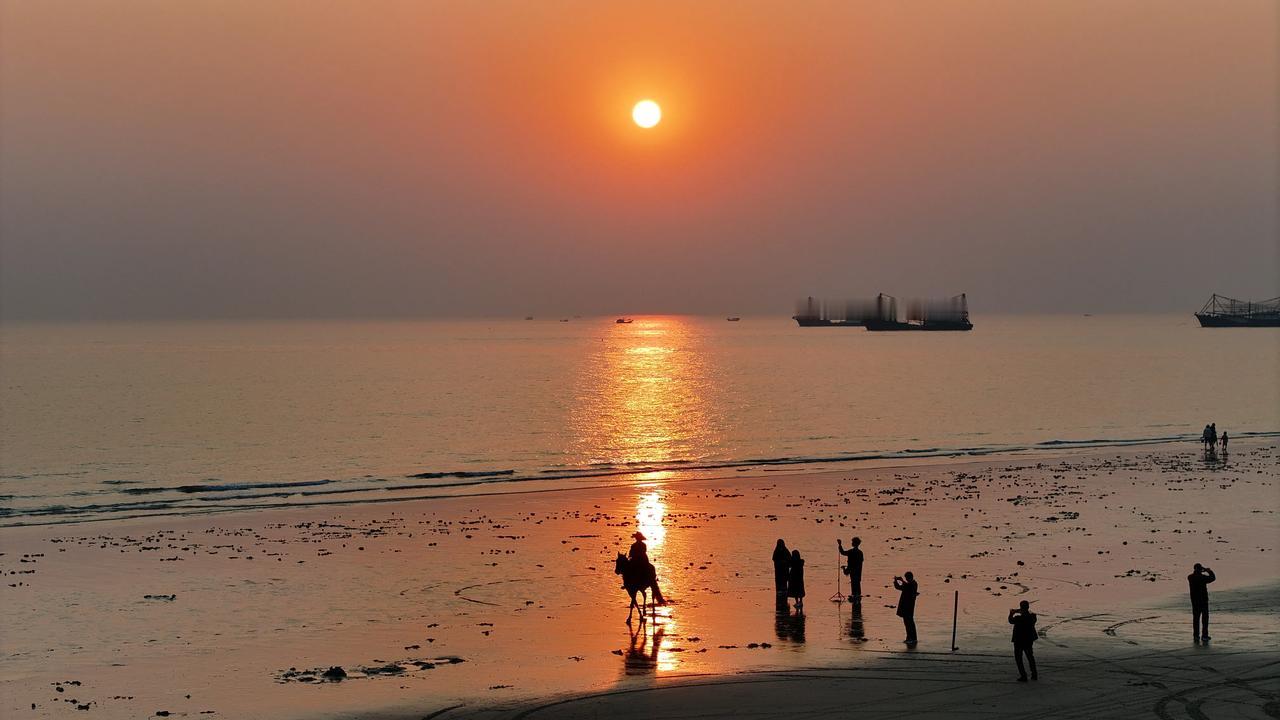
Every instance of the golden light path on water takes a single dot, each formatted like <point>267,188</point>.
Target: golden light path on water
<point>644,397</point>
<point>644,400</point>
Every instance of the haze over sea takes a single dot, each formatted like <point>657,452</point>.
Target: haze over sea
<point>107,421</point>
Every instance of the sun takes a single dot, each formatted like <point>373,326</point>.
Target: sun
<point>646,113</point>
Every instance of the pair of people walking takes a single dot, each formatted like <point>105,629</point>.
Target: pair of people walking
<point>788,574</point>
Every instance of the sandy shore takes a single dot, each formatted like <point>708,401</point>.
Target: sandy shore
<point>507,605</point>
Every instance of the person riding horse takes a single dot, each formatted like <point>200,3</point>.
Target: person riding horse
<point>639,556</point>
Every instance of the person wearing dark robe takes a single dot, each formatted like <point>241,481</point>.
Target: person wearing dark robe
<point>909,589</point>
<point>1199,580</point>
<point>639,555</point>
<point>781,567</point>
<point>1024,635</point>
<point>854,568</point>
<point>795,578</point>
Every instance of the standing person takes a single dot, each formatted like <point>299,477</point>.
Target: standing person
<point>1204,438</point>
<point>1199,580</point>
<point>1224,442</point>
<point>854,568</point>
<point>907,604</point>
<point>1213,436</point>
<point>795,579</point>
<point>781,567</point>
<point>1024,634</point>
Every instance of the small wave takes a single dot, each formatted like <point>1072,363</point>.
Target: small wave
<point>223,487</point>
<point>461,474</point>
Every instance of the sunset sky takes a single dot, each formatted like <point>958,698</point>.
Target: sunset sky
<point>264,158</point>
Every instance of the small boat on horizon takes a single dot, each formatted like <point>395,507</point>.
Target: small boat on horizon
<point>735,318</point>
<point>623,321</point>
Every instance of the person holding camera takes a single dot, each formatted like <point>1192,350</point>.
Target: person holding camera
<point>1024,635</point>
<point>908,588</point>
<point>1199,580</point>
<point>854,568</point>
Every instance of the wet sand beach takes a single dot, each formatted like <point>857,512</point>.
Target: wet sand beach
<point>507,606</point>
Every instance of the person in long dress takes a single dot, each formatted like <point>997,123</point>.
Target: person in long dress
<point>781,567</point>
<point>795,579</point>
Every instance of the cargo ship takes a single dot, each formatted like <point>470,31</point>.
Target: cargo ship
<point>881,314</point>
<point>1222,311</point>
<point>951,314</point>
<point>812,313</point>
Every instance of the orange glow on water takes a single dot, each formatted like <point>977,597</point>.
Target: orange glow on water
<point>645,397</point>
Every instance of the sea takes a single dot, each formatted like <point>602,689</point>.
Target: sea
<point>111,421</point>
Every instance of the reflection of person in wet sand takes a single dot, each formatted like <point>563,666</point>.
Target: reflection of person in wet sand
<point>854,568</point>
<point>638,659</point>
<point>788,625</point>
<point>1024,634</point>
<point>1199,580</point>
<point>781,567</point>
<point>857,630</point>
<point>908,588</point>
<point>795,579</point>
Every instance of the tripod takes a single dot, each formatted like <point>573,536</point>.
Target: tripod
<point>839,596</point>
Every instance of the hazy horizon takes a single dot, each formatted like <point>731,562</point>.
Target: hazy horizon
<point>237,160</point>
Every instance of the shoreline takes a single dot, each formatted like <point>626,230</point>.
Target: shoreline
<point>749,470</point>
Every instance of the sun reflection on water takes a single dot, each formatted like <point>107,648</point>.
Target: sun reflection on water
<point>644,397</point>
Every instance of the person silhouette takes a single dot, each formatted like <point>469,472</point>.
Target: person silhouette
<point>639,553</point>
<point>1199,580</point>
<point>781,567</point>
<point>1024,634</point>
<point>795,579</point>
<point>1224,442</point>
<point>854,568</point>
<point>909,589</point>
<point>1204,438</point>
<point>1213,437</point>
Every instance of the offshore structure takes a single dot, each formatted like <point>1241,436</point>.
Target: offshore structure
<point>1221,311</point>
<point>881,314</point>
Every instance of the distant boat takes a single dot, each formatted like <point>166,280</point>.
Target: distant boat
<point>623,321</point>
<point>1222,311</point>
<point>734,319</point>
<point>528,317</point>
<point>564,319</point>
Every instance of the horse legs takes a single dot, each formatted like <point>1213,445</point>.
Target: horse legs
<point>632,607</point>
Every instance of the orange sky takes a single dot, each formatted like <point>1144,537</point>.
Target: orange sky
<point>265,152</point>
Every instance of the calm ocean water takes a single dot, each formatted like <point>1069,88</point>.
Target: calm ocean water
<point>104,421</point>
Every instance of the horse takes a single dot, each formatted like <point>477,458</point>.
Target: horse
<point>638,578</point>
